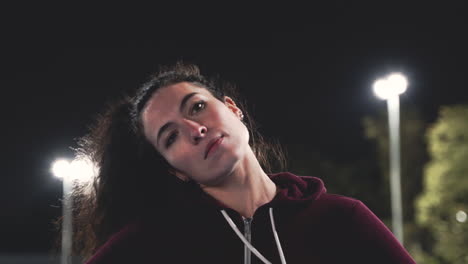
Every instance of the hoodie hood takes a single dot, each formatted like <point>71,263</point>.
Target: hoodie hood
<point>292,189</point>
<point>295,188</point>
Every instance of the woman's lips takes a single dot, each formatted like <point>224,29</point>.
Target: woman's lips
<point>213,145</point>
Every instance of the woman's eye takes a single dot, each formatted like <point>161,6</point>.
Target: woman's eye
<point>171,139</point>
<point>198,106</point>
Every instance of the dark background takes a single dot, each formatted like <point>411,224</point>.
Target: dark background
<point>308,85</point>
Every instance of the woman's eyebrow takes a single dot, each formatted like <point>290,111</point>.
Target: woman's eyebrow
<point>181,108</point>
<point>184,100</point>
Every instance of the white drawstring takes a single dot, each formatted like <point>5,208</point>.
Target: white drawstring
<point>247,243</point>
<point>278,244</point>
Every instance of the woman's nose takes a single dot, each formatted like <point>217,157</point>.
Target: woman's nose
<point>196,130</point>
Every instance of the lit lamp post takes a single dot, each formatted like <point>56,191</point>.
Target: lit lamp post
<point>389,89</point>
<point>80,170</point>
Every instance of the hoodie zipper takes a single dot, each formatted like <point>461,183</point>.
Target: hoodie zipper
<point>248,237</point>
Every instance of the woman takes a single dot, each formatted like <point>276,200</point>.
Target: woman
<point>184,178</point>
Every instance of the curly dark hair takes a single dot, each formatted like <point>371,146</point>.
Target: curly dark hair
<point>131,171</point>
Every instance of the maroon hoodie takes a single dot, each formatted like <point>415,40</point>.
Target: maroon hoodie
<point>312,227</point>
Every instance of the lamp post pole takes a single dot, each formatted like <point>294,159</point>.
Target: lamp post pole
<point>393,105</point>
<point>67,227</point>
<point>61,168</point>
<point>80,170</point>
<point>389,89</point>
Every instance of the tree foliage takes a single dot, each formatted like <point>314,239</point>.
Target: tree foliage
<point>446,186</point>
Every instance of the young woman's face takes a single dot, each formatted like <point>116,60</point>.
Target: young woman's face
<point>201,137</point>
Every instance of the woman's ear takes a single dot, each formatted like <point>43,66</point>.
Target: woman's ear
<point>233,107</point>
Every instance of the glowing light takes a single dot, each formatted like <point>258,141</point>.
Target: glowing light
<point>461,216</point>
<point>60,168</point>
<point>80,169</point>
<point>391,86</point>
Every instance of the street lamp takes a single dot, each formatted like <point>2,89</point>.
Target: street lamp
<point>389,89</point>
<point>81,170</point>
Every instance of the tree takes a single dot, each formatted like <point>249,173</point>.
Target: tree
<point>445,196</point>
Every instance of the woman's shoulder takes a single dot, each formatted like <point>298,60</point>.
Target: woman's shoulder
<point>335,204</point>
<point>339,200</point>
<point>347,207</point>
<point>121,247</point>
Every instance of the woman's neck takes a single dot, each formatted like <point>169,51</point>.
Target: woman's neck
<point>246,189</point>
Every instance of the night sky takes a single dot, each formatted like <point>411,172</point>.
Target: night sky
<point>310,86</point>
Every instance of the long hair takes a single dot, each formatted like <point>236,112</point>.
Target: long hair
<point>133,177</point>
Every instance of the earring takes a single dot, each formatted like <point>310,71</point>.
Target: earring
<point>241,116</point>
